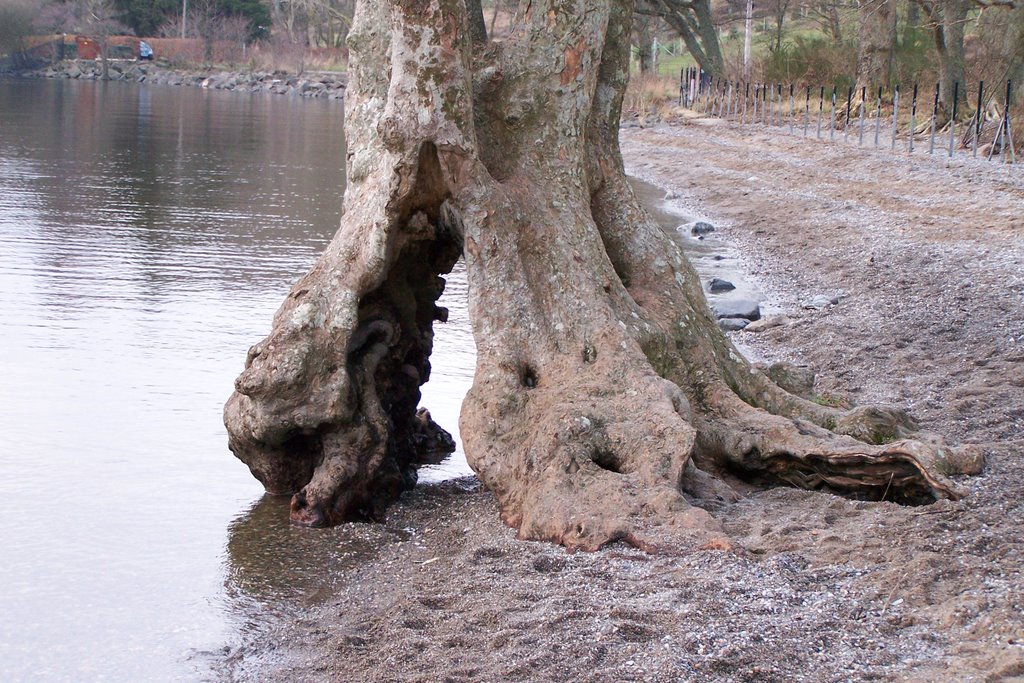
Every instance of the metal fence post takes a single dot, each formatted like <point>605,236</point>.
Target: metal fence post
<point>1009,127</point>
<point>878,115</point>
<point>863,106</point>
<point>895,112</point>
<point>807,110</point>
<point>821,107</point>
<point>952,120</point>
<point>846,127</point>
<point>792,109</point>
<point>978,118</point>
<point>832,117</point>
<point>913,118</point>
<point>935,116</point>
<point>764,105</point>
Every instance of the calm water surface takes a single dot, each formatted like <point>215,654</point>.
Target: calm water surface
<point>147,235</point>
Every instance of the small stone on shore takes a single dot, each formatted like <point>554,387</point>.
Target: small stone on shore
<point>732,324</point>
<point>768,323</point>
<point>822,301</point>
<point>718,285</point>
<point>741,308</point>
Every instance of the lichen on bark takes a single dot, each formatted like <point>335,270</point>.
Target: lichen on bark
<point>606,403</point>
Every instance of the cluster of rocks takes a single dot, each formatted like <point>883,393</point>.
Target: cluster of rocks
<point>313,84</point>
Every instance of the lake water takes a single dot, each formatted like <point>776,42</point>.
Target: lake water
<point>147,235</point>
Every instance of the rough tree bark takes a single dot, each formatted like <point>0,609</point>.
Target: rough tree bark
<point>877,43</point>
<point>606,402</point>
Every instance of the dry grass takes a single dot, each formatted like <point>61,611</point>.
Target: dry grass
<point>295,59</point>
<point>650,95</point>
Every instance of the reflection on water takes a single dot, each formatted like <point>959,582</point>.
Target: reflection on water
<point>272,564</point>
<point>147,235</point>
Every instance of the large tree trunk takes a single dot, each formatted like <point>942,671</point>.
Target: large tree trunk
<point>644,40</point>
<point>950,46</point>
<point>606,401</point>
<point>877,43</point>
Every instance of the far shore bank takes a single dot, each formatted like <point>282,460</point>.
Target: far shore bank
<point>310,84</point>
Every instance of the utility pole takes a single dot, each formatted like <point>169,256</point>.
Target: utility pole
<point>746,38</point>
<point>184,14</point>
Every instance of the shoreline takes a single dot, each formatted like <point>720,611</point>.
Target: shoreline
<point>309,84</point>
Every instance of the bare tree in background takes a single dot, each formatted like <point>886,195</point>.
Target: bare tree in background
<point>778,9</point>
<point>643,38</point>
<point>877,42</point>
<point>825,13</point>
<point>694,22</point>
<point>16,24</point>
<point>319,23</point>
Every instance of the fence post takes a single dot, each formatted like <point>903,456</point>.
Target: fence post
<point>849,102</point>
<point>935,114</point>
<point>821,107</point>
<point>807,110</point>
<point>952,120</point>
<point>1006,122</point>
<point>832,117</point>
<point>792,109</point>
<point>764,105</point>
<point>863,106</point>
<point>913,118</point>
<point>978,118</point>
<point>895,112</point>
<point>878,115</point>
<point>1009,127</point>
<point>746,96</point>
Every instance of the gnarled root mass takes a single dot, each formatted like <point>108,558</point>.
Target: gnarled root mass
<point>606,402</point>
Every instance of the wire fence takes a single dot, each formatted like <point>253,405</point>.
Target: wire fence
<point>871,117</point>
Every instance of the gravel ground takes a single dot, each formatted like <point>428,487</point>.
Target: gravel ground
<point>930,256</point>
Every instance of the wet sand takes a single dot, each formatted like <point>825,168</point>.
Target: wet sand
<point>930,256</point>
